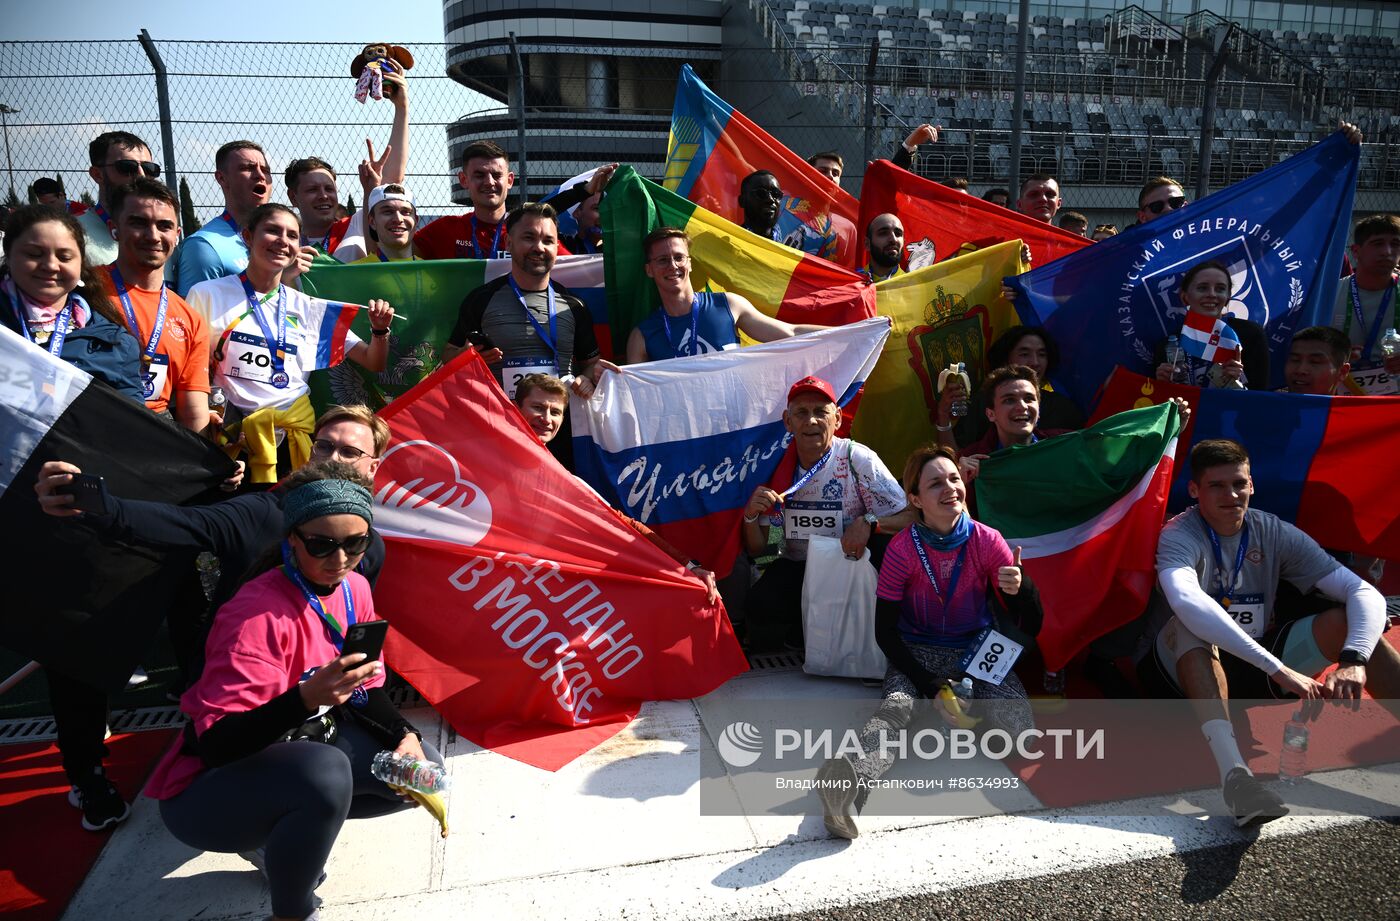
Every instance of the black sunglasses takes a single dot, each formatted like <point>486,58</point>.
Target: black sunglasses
<point>132,167</point>
<point>1157,207</point>
<point>322,547</point>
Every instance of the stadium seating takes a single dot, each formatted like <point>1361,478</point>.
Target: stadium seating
<point>1104,107</point>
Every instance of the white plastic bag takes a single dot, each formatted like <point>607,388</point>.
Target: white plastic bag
<point>838,613</point>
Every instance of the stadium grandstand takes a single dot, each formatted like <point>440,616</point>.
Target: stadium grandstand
<point>1114,95</point>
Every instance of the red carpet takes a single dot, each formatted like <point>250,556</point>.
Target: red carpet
<point>45,852</point>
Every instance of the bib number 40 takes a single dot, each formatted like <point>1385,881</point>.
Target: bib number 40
<point>256,359</point>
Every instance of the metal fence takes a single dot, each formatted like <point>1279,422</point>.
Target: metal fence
<point>295,100</point>
<point>1100,130</point>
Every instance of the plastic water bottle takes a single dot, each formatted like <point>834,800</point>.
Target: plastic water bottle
<point>959,407</point>
<point>218,401</point>
<point>1390,343</point>
<point>1053,682</point>
<point>963,690</point>
<point>1293,758</point>
<point>423,776</point>
<point>1175,358</point>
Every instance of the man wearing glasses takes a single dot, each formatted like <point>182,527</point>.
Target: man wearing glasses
<point>1159,196</point>
<point>691,323</point>
<point>117,157</point>
<point>769,213</point>
<point>238,531</point>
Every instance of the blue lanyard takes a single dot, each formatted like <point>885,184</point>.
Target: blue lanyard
<point>495,241</point>
<point>380,254</point>
<point>102,213</point>
<point>928,569</point>
<point>551,340</point>
<point>231,222</point>
<point>60,323</point>
<point>156,329</point>
<point>1226,590</point>
<point>279,346</point>
<point>337,634</point>
<point>1376,325</point>
<point>806,478</point>
<point>694,326</point>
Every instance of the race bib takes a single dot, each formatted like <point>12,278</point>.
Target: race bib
<point>805,520</point>
<point>153,377</point>
<point>248,357</point>
<point>1248,611</point>
<point>1371,382</point>
<point>991,657</point>
<point>514,370</point>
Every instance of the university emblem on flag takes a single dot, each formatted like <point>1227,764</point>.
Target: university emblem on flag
<point>425,495</point>
<point>1248,299</point>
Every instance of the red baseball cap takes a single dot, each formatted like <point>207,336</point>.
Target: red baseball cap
<point>812,385</point>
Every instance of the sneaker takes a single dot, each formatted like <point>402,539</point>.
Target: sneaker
<point>100,802</point>
<point>1251,802</point>
<point>837,788</point>
<point>258,858</point>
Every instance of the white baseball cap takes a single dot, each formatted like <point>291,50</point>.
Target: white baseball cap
<point>390,192</point>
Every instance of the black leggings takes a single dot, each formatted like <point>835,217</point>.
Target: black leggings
<point>291,799</point>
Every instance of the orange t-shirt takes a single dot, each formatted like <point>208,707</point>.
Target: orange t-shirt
<point>183,345</point>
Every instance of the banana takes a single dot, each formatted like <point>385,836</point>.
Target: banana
<point>433,802</point>
<point>950,702</point>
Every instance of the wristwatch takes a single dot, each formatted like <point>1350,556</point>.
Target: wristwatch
<point>1351,657</point>
<point>873,520</point>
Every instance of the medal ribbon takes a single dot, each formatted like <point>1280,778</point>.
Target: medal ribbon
<point>150,350</point>
<point>106,218</point>
<point>806,478</point>
<point>928,570</point>
<point>694,325</point>
<point>1227,590</point>
<point>495,241</point>
<point>279,351</point>
<point>552,339</point>
<point>1375,332</point>
<point>337,634</point>
<point>60,323</point>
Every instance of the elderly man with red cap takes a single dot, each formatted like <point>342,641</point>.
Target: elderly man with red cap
<point>839,489</point>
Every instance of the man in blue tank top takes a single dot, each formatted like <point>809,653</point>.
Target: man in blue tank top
<point>690,323</point>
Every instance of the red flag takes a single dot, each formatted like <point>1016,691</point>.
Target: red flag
<point>524,608</point>
<point>941,219</point>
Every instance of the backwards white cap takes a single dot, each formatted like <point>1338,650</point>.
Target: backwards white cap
<point>389,192</point>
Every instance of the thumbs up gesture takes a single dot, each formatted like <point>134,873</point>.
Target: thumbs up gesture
<point>1009,577</point>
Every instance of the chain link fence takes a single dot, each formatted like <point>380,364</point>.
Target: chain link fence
<point>296,100</point>
<point>1102,121</point>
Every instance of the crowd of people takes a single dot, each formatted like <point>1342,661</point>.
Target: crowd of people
<point>213,332</point>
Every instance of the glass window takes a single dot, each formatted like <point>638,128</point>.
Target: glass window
<point>1390,21</point>
<point>1265,14</point>
<point>1218,7</point>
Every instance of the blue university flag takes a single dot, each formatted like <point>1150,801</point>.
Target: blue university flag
<point>1281,233</point>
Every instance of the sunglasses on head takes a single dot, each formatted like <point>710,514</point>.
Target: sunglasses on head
<point>1157,207</point>
<point>132,167</point>
<point>322,547</point>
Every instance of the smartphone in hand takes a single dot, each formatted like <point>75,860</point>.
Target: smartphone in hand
<point>367,637</point>
<point>89,493</point>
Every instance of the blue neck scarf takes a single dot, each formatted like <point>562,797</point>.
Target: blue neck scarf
<point>962,530</point>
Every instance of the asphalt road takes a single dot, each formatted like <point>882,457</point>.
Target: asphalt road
<point>1344,873</point>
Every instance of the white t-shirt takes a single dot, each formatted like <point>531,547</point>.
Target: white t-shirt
<point>240,359</point>
<point>853,482</point>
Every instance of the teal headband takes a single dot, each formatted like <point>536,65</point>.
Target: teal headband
<point>326,497</point>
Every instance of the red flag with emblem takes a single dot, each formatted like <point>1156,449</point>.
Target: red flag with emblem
<point>524,608</point>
